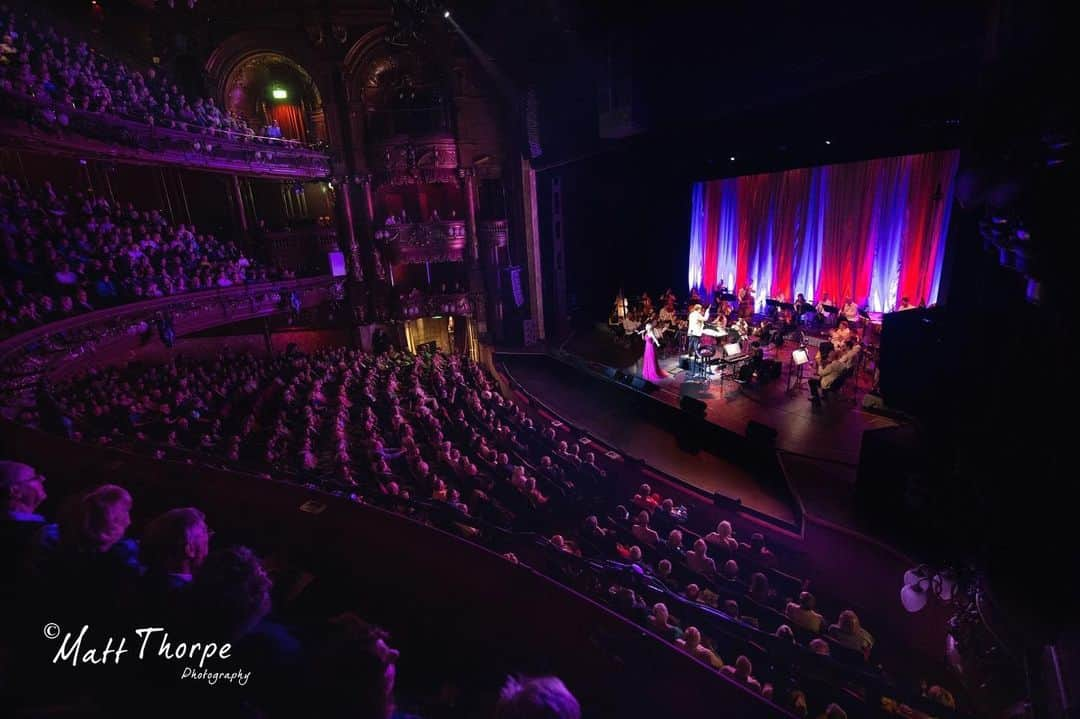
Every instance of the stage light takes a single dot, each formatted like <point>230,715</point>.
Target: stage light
<point>446,14</point>
<point>280,93</point>
<point>732,158</point>
<point>828,142</point>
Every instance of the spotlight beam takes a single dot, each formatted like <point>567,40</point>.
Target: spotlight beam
<point>502,82</point>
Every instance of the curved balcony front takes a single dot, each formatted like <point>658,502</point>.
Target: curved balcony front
<point>420,242</point>
<point>30,124</point>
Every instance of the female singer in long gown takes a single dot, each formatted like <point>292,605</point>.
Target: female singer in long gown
<point>650,368</point>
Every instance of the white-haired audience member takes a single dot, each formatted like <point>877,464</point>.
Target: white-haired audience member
<point>742,671</point>
<point>643,532</point>
<point>691,642</point>
<point>698,559</point>
<point>803,614</point>
<point>536,698</point>
<point>849,632</point>
<point>723,537</point>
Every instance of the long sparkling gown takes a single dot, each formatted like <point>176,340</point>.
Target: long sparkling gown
<point>650,368</point>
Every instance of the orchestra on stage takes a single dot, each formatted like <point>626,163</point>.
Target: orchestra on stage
<point>728,338</point>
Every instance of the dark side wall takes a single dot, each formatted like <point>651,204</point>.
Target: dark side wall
<point>624,227</point>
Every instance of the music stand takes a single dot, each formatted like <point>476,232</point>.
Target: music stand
<point>799,357</point>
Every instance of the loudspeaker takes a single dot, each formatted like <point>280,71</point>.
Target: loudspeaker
<point>760,434</point>
<point>611,373</point>
<point>642,384</point>
<point>337,263</point>
<point>693,406</point>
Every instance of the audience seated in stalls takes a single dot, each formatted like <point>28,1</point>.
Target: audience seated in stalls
<point>849,632</point>
<point>660,622</point>
<point>819,646</point>
<point>757,552</point>
<point>643,532</point>
<point>759,589</point>
<point>723,538</point>
<point>691,642</point>
<point>802,614</point>
<point>536,698</point>
<point>742,672</point>
<point>698,559</point>
<point>418,444</point>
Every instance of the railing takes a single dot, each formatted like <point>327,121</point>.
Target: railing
<point>66,129</point>
<point>405,160</point>
<point>419,242</point>
<point>419,304</point>
<point>99,337</point>
<point>493,233</point>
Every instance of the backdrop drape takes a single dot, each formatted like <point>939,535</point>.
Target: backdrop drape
<point>871,231</point>
<point>291,120</point>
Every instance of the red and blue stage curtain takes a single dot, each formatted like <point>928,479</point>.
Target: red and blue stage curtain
<point>871,231</point>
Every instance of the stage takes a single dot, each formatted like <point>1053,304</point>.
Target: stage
<point>831,431</point>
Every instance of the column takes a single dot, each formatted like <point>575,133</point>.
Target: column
<point>532,246</point>
<point>238,200</point>
<point>347,233</point>
<point>372,263</point>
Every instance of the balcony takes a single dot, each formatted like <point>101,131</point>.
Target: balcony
<point>418,304</point>
<point>104,336</point>
<point>404,160</point>
<point>30,124</point>
<point>420,242</point>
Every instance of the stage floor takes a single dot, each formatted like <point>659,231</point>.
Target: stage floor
<point>831,431</point>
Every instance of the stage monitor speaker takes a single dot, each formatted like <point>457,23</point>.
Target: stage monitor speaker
<point>611,373</point>
<point>642,384</point>
<point>760,434</point>
<point>692,405</point>
<point>337,263</point>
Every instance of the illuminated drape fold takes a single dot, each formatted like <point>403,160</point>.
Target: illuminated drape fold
<point>871,231</point>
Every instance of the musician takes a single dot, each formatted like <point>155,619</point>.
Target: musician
<point>646,305</point>
<point>630,323</point>
<point>668,298</point>
<point>850,310</point>
<point>622,307</point>
<point>905,304</point>
<point>825,301</point>
<point>694,328</point>
<point>746,300</point>
<point>695,298</point>
<point>828,369</point>
<point>801,305</point>
<point>841,334</point>
<point>721,288</point>
<point>667,312</point>
<point>714,308</point>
